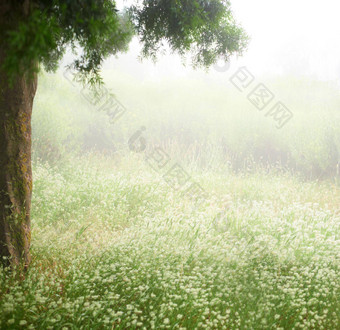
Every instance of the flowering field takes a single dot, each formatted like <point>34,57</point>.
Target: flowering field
<point>114,247</point>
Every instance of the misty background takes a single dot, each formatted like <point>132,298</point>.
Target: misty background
<point>199,116</point>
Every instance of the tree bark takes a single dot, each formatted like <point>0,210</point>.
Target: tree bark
<point>15,167</point>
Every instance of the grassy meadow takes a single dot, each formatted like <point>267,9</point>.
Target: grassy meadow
<point>114,246</point>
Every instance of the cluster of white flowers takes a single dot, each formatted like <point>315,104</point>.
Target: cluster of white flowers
<point>134,255</point>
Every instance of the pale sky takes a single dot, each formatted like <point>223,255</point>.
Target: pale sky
<point>291,36</point>
<point>302,35</point>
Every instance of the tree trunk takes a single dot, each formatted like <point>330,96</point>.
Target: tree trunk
<point>15,167</point>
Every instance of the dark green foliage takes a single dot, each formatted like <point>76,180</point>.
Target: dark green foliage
<point>94,29</point>
<point>204,28</point>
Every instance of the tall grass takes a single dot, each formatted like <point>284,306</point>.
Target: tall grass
<point>197,121</point>
<point>115,247</point>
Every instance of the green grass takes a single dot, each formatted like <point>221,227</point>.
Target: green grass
<point>208,122</point>
<point>114,247</point>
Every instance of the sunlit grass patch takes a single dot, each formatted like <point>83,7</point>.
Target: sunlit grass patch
<point>116,247</point>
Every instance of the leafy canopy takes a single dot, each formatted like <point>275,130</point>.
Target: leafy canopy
<point>95,29</point>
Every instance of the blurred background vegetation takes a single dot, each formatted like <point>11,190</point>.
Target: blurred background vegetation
<point>200,122</point>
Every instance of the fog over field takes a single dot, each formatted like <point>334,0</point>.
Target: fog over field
<point>173,196</point>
